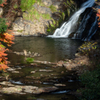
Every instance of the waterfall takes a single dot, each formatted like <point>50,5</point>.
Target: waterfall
<point>68,27</point>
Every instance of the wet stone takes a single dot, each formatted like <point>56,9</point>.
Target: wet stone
<point>6,83</point>
<point>10,90</point>
<point>36,90</point>
<point>30,89</point>
<point>33,72</point>
<point>60,63</point>
<point>11,69</point>
<point>18,67</point>
<point>44,70</point>
<point>15,71</point>
<point>60,84</point>
<point>16,82</point>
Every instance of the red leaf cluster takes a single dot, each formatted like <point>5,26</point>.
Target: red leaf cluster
<point>6,38</point>
<point>3,59</point>
<point>98,14</point>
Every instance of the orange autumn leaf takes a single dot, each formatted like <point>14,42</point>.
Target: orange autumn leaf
<point>98,15</point>
<point>7,38</point>
<point>98,11</point>
<point>3,66</point>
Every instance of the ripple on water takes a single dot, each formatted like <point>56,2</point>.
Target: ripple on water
<point>61,92</point>
<point>16,82</point>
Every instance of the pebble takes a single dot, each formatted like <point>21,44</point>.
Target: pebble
<point>15,71</point>
<point>33,72</point>
<point>11,69</point>
<point>44,70</point>
<point>59,84</point>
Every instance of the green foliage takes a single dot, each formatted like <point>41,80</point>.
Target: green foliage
<point>91,81</point>
<point>68,12</point>
<point>70,4</point>
<point>1,1</point>
<point>19,30</point>
<point>53,8</point>
<point>87,47</point>
<point>46,16</point>
<point>52,27</point>
<point>26,4</point>
<point>38,1</point>
<point>34,14</point>
<point>62,16</point>
<point>15,6</point>
<point>56,24</point>
<point>29,60</point>
<point>3,26</point>
<point>70,7</point>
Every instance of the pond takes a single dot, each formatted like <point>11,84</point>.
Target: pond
<point>50,49</point>
<point>43,75</point>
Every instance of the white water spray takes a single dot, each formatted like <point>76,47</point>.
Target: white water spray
<point>68,27</point>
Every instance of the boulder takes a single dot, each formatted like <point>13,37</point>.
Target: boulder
<point>42,9</point>
<point>26,28</point>
<point>47,2</point>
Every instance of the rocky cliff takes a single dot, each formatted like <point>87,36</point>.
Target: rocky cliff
<point>43,17</point>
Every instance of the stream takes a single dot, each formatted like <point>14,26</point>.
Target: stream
<point>51,82</point>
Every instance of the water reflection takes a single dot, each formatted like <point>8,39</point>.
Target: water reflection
<point>49,48</point>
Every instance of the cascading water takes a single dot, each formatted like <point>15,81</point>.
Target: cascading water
<point>68,27</point>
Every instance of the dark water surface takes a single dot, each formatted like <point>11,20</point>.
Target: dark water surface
<point>44,79</point>
<point>50,49</point>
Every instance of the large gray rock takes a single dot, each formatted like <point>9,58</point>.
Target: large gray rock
<point>18,24</point>
<point>25,28</point>
<point>42,9</point>
<point>47,2</point>
<point>10,89</point>
<point>36,21</point>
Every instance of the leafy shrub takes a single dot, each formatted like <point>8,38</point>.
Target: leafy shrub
<point>3,26</point>
<point>88,47</point>
<point>55,24</point>
<point>53,8</point>
<point>4,37</point>
<point>1,1</point>
<point>26,4</point>
<point>91,81</point>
